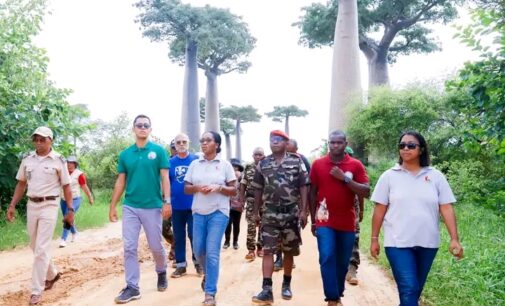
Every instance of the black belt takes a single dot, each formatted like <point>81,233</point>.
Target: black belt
<point>281,208</point>
<point>42,199</point>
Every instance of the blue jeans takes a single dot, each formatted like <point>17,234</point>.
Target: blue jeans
<point>208,231</point>
<point>335,249</point>
<point>150,220</point>
<point>76,203</point>
<point>410,269</point>
<point>181,219</point>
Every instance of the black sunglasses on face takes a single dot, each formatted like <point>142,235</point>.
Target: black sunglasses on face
<point>142,125</point>
<point>410,145</point>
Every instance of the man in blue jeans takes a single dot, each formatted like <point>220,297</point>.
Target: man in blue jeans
<point>143,171</point>
<point>336,179</point>
<point>182,216</point>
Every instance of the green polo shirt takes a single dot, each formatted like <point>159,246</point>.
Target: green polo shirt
<point>142,168</point>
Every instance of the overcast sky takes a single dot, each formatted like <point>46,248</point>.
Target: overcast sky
<point>97,50</point>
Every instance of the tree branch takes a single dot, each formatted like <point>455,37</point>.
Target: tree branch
<point>367,46</point>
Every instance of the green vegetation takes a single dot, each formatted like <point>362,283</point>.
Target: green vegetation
<point>87,217</point>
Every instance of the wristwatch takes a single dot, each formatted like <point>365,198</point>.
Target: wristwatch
<point>71,209</point>
<point>347,179</point>
<point>166,201</point>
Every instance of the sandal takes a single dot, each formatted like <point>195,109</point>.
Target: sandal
<point>250,256</point>
<point>210,300</point>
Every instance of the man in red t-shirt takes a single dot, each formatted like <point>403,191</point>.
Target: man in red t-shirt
<point>336,179</point>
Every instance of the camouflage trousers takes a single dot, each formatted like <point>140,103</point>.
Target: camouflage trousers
<point>355,261</point>
<point>281,231</point>
<point>167,232</point>
<point>252,242</point>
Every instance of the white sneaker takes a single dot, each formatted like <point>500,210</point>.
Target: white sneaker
<point>74,237</point>
<point>63,243</point>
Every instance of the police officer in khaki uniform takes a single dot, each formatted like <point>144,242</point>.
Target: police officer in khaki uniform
<point>43,172</point>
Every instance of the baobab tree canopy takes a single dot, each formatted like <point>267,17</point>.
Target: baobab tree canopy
<point>402,24</point>
<point>283,113</point>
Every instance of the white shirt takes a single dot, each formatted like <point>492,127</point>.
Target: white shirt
<point>412,217</point>
<point>207,172</point>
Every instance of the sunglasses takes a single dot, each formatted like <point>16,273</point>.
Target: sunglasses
<point>39,139</point>
<point>277,139</point>
<point>410,145</point>
<point>142,125</point>
<point>207,140</point>
<point>181,142</point>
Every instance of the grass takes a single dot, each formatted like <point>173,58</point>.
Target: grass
<point>88,216</point>
<point>479,278</point>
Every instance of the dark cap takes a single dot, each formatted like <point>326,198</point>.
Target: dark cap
<point>236,163</point>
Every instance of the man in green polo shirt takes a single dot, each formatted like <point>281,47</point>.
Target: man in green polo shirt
<point>143,170</point>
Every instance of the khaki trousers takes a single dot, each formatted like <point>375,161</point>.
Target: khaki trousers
<point>41,221</point>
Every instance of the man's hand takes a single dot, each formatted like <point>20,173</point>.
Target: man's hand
<point>375,248</point>
<point>456,249</point>
<point>302,218</point>
<point>69,217</point>
<point>91,200</point>
<point>112,214</point>
<point>166,211</point>
<point>11,214</point>
<point>337,173</point>
<point>360,216</point>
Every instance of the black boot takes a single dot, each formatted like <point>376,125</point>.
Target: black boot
<point>286,291</point>
<point>265,297</point>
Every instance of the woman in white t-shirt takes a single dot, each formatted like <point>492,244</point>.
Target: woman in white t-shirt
<point>212,182</point>
<point>409,199</point>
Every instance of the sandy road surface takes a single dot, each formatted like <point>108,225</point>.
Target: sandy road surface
<point>92,271</point>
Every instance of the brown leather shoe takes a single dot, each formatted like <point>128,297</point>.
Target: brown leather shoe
<point>250,256</point>
<point>50,283</point>
<point>35,299</point>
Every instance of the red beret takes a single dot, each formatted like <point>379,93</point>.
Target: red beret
<point>279,133</point>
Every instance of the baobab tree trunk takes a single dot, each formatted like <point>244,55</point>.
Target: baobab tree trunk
<point>286,125</point>
<point>190,117</point>
<point>238,144</point>
<point>345,83</point>
<point>211,103</point>
<point>378,72</point>
<point>227,139</point>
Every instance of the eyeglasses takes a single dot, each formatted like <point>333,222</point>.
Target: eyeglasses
<point>410,145</point>
<point>142,125</point>
<point>207,140</point>
<point>181,142</point>
<point>39,139</point>
<point>277,139</point>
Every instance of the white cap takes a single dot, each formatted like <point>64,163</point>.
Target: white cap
<point>43,131</point>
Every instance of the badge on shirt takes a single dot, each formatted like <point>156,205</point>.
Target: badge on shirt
<point>151,155</point>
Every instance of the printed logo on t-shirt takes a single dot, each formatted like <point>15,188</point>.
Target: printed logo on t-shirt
<point>151,155</point>
<point>180,173</point>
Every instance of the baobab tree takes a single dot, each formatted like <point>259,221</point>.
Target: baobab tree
<point>240,114</point>
<point>403,25</point>
<point>283,113</point>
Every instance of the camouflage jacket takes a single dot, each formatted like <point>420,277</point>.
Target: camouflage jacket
<point>281,183</point>
<point>247,179</point>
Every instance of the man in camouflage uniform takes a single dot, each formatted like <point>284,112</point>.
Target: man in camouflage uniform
<point>280,184</point>
<point>43,173</point>
<point>247,197</point>
<point>351,276</point>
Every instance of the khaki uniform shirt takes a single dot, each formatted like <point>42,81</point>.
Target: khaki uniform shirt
<point>45,175</point>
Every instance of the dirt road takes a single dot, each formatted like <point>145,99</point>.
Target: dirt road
<point>92,271</point>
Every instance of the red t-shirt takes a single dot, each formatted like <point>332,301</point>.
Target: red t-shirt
<point>339,197</point>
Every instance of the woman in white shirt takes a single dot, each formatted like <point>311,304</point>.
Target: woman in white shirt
<point>409,199</point>
<point>212,181</point>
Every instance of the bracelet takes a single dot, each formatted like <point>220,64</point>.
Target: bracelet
<point>375,238</point>
<point>70,209</point>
